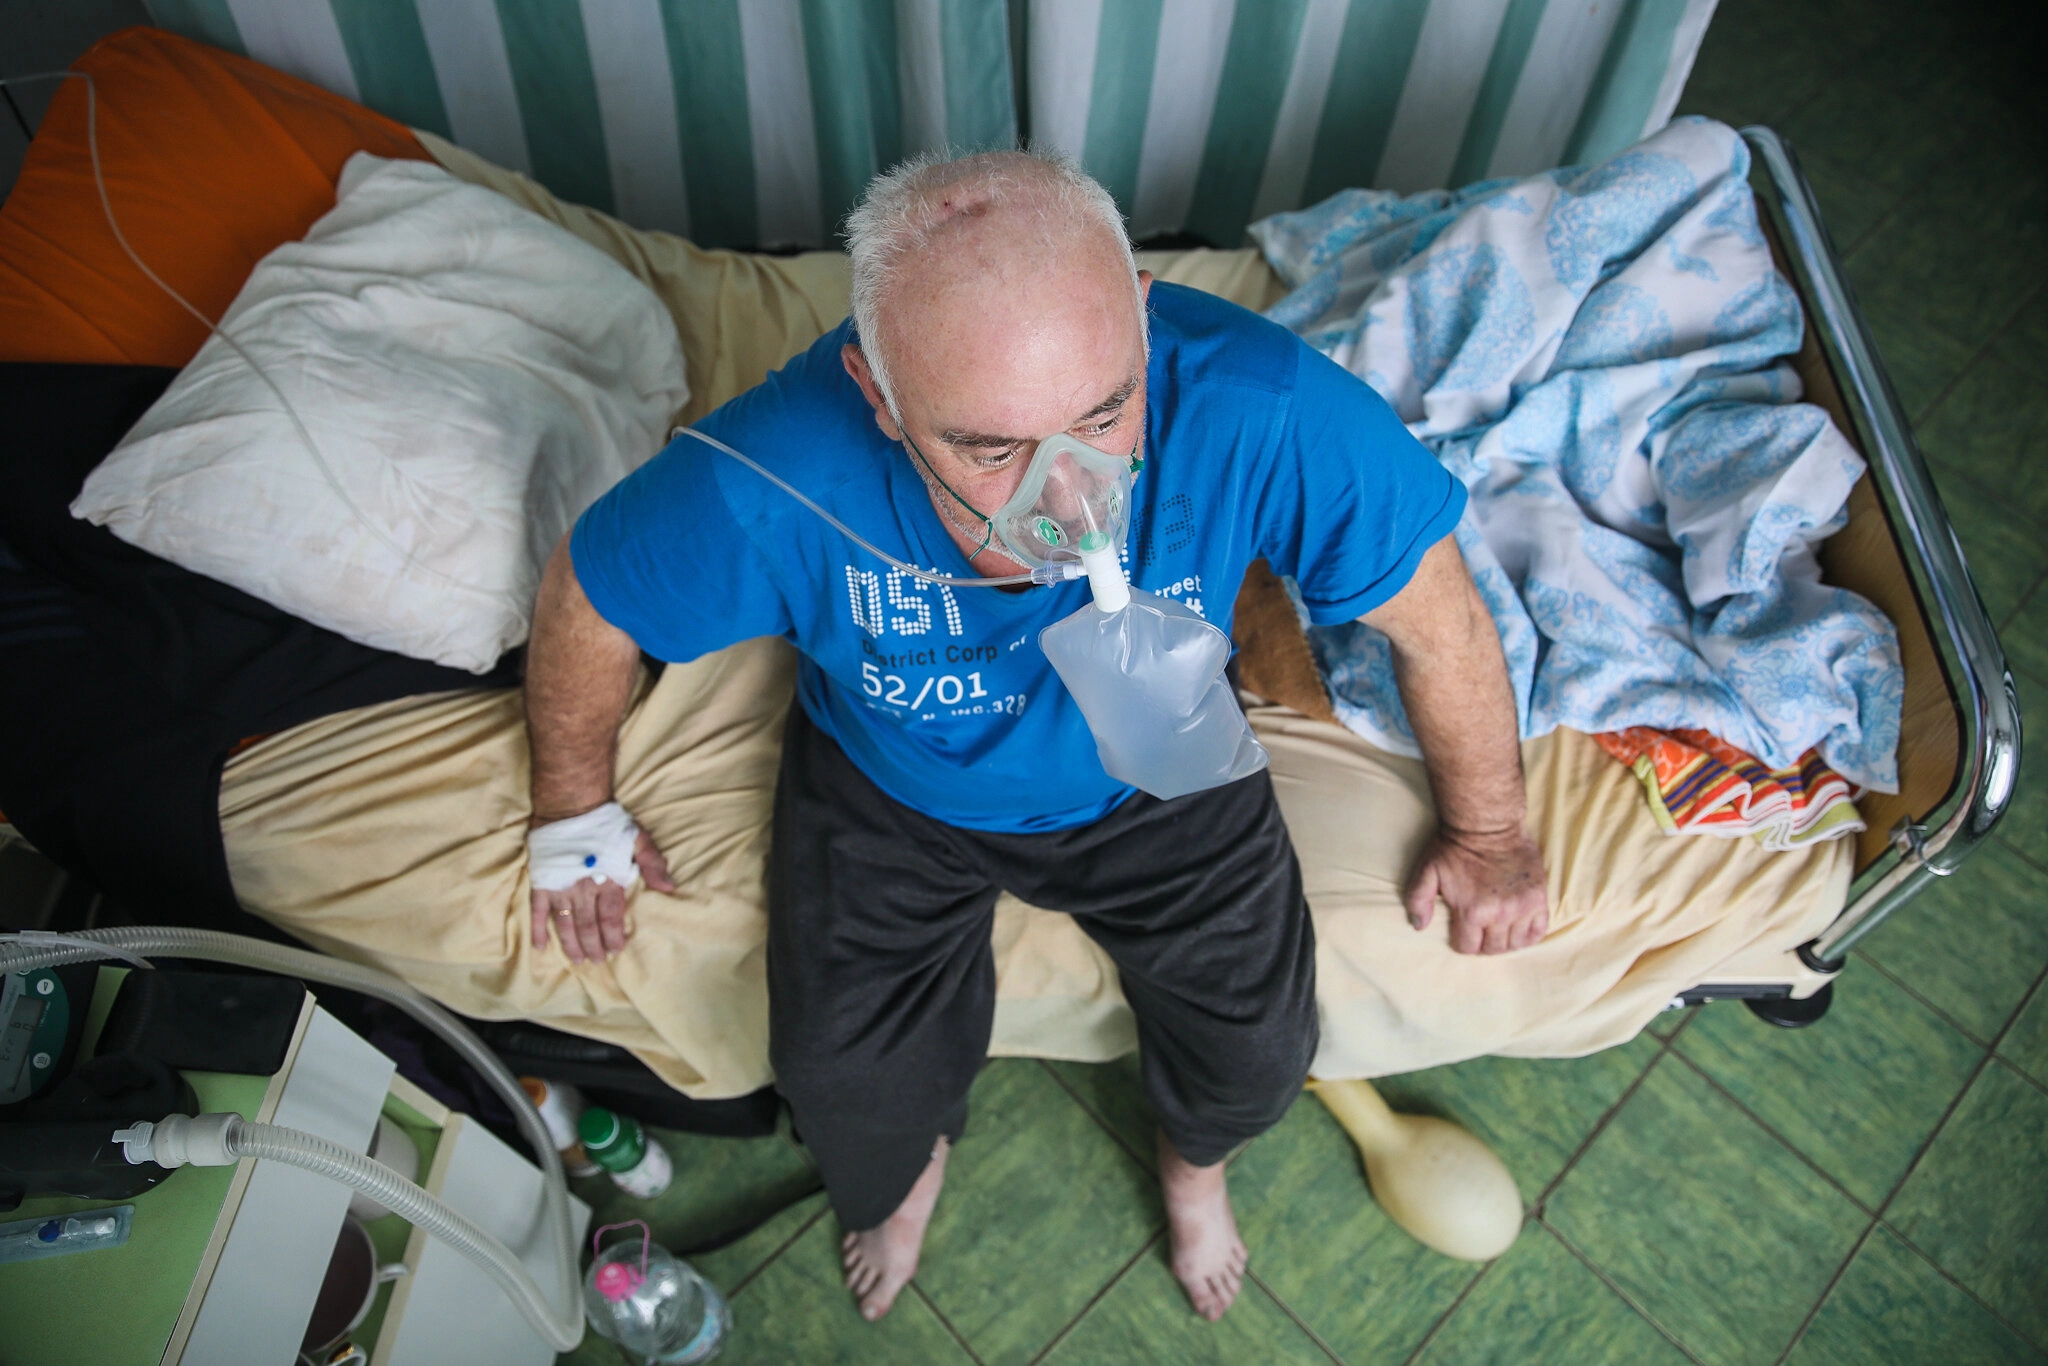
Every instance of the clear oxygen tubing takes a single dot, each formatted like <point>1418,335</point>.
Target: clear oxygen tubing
<point>1054,573</point>
<point>1057,572</point>
<point>92,143</point>
<point>560,1327</point>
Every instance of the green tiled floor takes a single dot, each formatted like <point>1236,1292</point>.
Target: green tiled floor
<point>1870,1190</point>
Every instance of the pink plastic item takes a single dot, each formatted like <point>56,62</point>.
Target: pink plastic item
<point>616,1280</point>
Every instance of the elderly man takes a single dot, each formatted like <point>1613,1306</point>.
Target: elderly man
<point>934,759</point>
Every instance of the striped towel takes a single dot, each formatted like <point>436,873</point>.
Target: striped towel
<point>1701,785</point>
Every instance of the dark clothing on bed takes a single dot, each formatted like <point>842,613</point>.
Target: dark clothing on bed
<point>125,680</point>
<point>882,981</point>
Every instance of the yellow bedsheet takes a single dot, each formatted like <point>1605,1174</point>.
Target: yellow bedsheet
<point>395,834</point>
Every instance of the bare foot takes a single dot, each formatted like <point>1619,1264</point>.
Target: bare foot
<point>1208,1256</point>
<point>880,1261</point>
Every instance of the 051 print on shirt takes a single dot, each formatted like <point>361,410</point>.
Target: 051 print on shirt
<point>962,690</point>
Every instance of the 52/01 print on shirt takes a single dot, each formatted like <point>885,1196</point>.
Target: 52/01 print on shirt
<point>948,690</point>
<point>964,694</point>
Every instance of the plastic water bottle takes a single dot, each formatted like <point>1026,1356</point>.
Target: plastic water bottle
<point>653,1304</point>
<point>1148,675</point>
<point>561,1108</point>
<point>638,1165</point>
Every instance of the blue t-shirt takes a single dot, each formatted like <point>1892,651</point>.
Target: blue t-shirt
<point>1255,446</point>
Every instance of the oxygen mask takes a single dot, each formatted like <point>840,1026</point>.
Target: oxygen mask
<point>1073,498</point>
<point>1072,501</point>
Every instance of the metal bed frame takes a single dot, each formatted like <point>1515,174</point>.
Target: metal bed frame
<point>1932,843</point>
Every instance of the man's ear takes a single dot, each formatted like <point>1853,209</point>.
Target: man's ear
<point>1144,284</point>
<point>857,366</point>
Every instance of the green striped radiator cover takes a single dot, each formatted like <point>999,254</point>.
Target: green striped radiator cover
<point>756,122</point>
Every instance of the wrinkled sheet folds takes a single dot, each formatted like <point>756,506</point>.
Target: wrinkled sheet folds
<point>1598,354</point>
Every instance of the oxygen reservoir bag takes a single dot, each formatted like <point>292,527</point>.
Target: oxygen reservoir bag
<point>1148,675</point>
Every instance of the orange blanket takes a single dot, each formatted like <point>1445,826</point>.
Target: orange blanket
<point>251,165</point>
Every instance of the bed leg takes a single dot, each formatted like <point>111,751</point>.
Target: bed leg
<point>1787,1013</point>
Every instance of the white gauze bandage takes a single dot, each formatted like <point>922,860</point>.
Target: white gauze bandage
<point>597,844</point>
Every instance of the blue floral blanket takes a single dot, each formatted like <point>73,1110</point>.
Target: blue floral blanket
<point>1599,355</point>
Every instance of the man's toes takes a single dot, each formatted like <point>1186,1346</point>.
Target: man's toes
<point>877,1303</point>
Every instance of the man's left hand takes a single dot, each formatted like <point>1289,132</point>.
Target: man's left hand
<point>1494,886</point>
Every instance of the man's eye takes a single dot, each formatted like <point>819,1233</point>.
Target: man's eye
<point>993,460</point>
<point>1104,427</point>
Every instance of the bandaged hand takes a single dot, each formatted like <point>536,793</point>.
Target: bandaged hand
<point>1493,885</point>
<point>581,869</point>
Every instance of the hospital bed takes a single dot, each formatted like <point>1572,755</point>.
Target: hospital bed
<point>1959,746</point>
<point>393,833</point>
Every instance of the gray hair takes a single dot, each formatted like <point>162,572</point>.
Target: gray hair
<point>904,207</point>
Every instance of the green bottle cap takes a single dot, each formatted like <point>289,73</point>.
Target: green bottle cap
<point>613,1142</point>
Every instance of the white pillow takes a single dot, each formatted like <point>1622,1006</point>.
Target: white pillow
<point>472,377</point>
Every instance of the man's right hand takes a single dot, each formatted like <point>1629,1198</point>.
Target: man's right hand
<point>579,675</point>
<point>590,917</point>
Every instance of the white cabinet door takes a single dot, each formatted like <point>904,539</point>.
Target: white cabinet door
<point>260,1296</point>
<point>449,1312</point>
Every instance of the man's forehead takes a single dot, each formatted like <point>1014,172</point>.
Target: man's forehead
<point>1026,236</point>
<point>1008,329</point>
<point>984,384</point>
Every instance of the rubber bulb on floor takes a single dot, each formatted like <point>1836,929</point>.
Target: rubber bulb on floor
<point>1434,1179</point>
